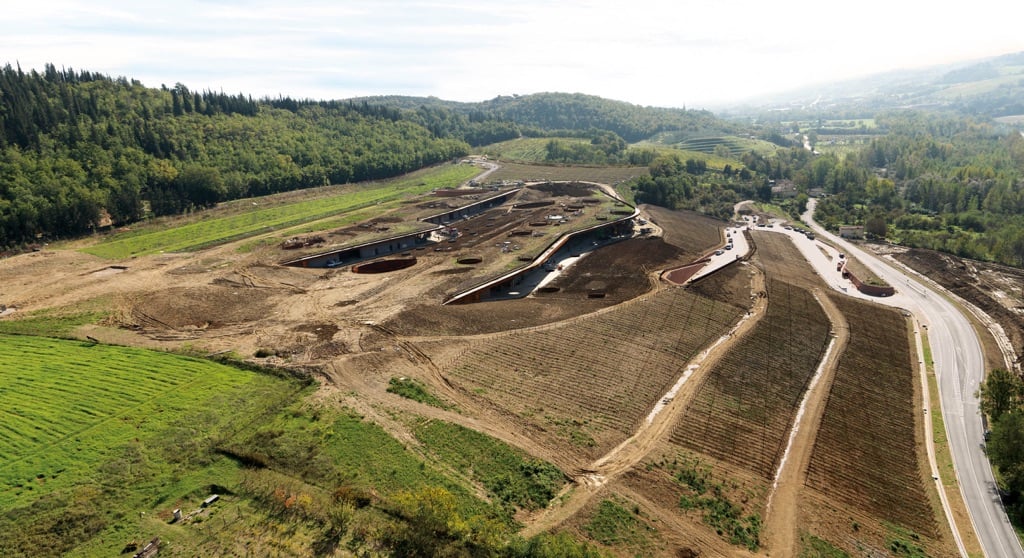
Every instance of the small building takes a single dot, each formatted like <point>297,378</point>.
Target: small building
<point>851,231</point>
<point>784,189</point>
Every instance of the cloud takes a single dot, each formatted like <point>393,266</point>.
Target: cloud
<point>646,51</point>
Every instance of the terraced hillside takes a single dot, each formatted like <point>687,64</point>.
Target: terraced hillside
<point>868,457</point>
<point>743,411</point>
<point>592,381</point>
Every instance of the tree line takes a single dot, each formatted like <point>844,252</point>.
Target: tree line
<point>1002,402</point>
<point>542,113</point>
<point>80,150</point>
<point>939,181</point>
<point>942,182</point>
<point>676,183</point>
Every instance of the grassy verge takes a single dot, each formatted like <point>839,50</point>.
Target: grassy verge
<point>415,390</point>
<point>814,547</point>
<point>903,542</point>
<point>612,524</point>
<point>51,322</point>
<point>773,210</point>
<point>529,172</point>
<point>718,511</point>
<point>943,458</point>
<point>510,476</point>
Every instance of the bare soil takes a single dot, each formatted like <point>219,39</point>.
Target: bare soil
<point>995,289</point>
<point>568,378</point>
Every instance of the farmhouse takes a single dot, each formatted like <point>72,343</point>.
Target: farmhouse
<point>784,189</point>
<point>851,231</point>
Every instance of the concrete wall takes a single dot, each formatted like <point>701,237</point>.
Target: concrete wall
<point>870,290</point>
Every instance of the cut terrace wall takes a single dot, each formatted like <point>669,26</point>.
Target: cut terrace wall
<point>870,290</point>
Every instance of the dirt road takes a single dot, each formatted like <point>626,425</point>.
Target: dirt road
<point>654,430</point>
<point>780,527</point>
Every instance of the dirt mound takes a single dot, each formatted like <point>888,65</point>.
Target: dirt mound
<point>212,306</point>
<point>692,233</point>
<point>620,270</point>
<point>730,285</point>
<point>323,332</point>
<point>572,189</point>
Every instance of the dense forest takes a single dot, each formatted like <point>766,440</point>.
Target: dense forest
<point>544,113</point>
<point>1002,401</point>
<point>79,150</point>
<point>948,183</point>
<point>689,184</point>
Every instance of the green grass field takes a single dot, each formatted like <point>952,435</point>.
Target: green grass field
<point>218,230</point>
<point>99,443</point>
<point>68,406</point>
<point>509,475</point>
<point>92,435</point>
<point>525,149</point>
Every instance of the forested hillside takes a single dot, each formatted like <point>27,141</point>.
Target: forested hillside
<point>568,112</point>
<point>79,150</point>
<point>945,182</point>
<point>987,88</point>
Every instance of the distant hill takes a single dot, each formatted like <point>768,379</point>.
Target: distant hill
<point>571,111</point>
<point>991,87</point>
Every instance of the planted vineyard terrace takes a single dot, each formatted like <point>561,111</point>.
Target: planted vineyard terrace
<point>591,382</point>
<point>743,411</point>
<point>868,457</point>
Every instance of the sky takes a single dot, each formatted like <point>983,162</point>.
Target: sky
<point>682,53</point>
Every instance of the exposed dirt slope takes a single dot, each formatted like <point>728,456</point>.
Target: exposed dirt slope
<point>997,290</point>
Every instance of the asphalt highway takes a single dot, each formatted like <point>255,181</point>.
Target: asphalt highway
<point>960,368</point>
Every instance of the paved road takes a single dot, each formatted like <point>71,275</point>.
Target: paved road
<point>738,247</point>
<point>959,367</point>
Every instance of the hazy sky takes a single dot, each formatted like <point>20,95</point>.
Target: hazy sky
<point>696,53</point>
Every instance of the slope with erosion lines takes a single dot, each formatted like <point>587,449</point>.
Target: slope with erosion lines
<point>591,382</point>
<point>621,270</point>
<point>745,407</point>
<point>993,288</point>
<point>869,453</point>
<point>688,230</point>
<point>781,260</point>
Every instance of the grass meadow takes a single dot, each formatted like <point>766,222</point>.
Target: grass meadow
<point>263,217</point>
<point>100,443</point>
<point>92,435</point>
